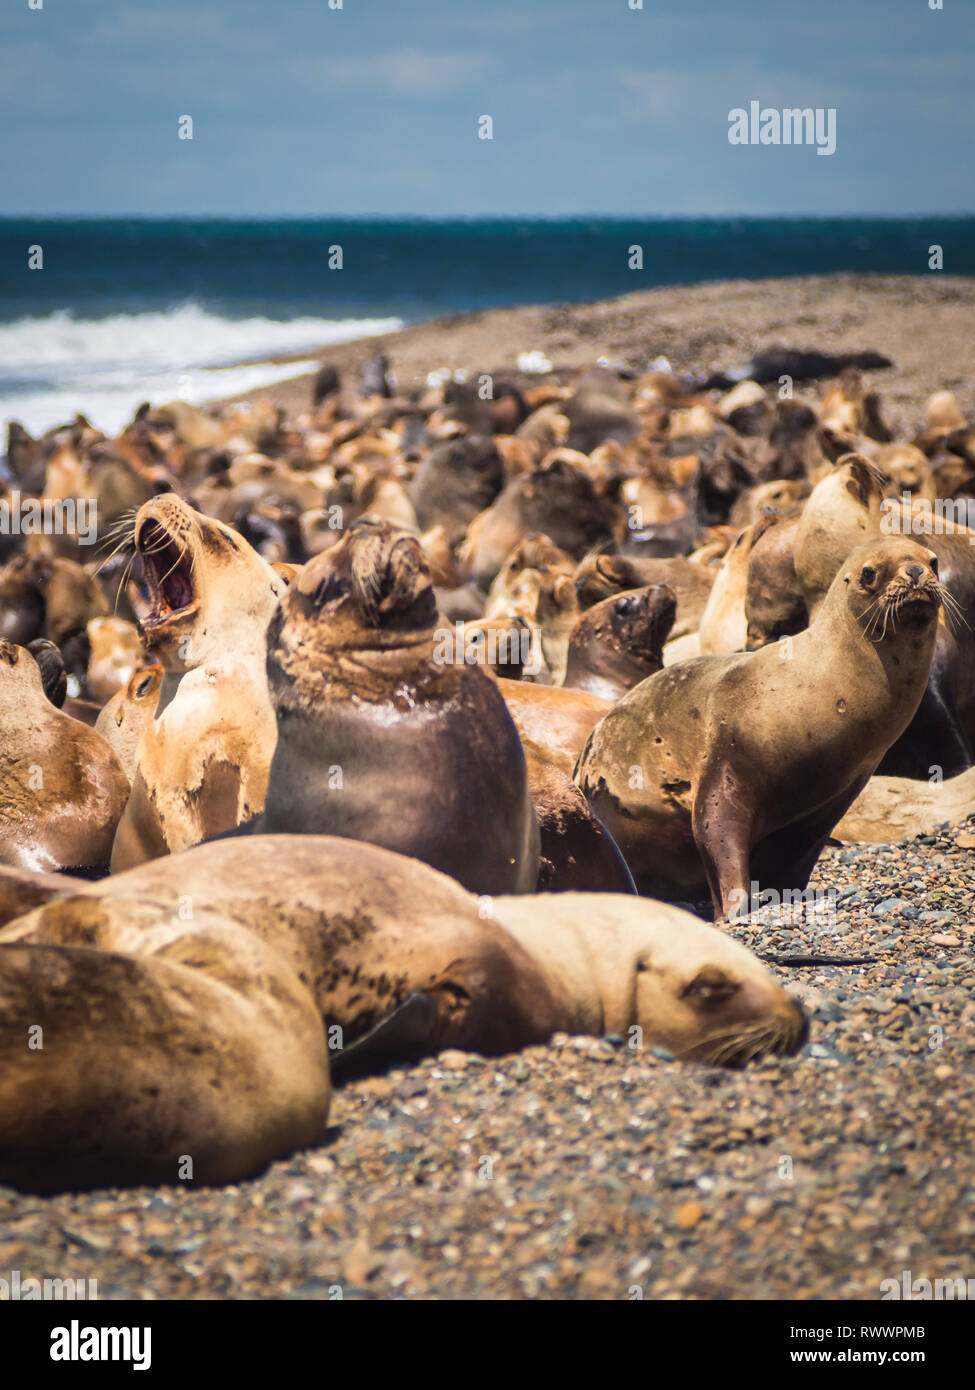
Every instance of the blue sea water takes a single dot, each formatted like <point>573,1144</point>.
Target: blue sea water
<point>128,309</point>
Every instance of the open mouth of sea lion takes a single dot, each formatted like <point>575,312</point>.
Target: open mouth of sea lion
<point>167,563</point>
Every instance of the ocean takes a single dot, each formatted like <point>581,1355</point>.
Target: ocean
<point>127,310</point>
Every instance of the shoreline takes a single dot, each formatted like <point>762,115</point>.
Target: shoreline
<point>922,322</point>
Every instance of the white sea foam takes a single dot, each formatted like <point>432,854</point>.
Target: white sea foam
<point>53,367</point>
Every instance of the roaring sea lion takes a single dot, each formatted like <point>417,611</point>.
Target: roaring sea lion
<point>62,791</point>
<point>184,1013</point>
<point>727,770</point>
<point>382,735</point>
<point>203,759</point>
<point>619,642</point>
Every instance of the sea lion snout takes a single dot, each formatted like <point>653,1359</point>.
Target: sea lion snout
<point>379,567</point>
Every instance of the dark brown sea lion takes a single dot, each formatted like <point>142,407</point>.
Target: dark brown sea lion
<point>600,577</point>
<point>722,771</point>
<point>455,482</point>
<point>619,642</point>
<point>62,790</point>
<point>385,733</point>
<point>190,1011</point>
<point>557,499</point>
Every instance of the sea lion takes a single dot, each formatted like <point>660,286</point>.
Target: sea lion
<point>724,624</point>
<point>775,605</point>
<point>727,770</point>
<point>203,759</point>
<point>841,513</point>
<point>384,735</point>
<point>62,792</point>
<point>125,717</point>
<point>899,808</point>
<point>558,499</point>
<point>455,482</point>
<point>184,1013</point>
<point>619,642</point>
<point>600,577</point>
<point>800,365</point>
<point>555,721</point>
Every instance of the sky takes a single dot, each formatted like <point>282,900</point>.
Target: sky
<point>373,109</point>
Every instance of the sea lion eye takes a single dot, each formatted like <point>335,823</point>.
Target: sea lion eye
<point>933,562</point>
<point>868,576</point>
<point>710,986</point>
<point>143,687</point>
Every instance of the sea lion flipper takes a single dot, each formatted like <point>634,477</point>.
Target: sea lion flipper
<point>407,1033</point>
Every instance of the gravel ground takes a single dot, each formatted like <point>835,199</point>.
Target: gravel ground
<point>582,1170</point>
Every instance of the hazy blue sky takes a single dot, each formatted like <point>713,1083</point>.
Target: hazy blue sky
<point>373,108</point>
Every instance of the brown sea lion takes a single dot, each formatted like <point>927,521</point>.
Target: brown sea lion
<point>601,576</point>
<point>727,770</point>
<point>775,605</point>
<point>190,1018</point>
<point>556,722</point>
<point>62,790</point>
<point>619,642</point>
<point>556,498</point>
<point>385,733</point>
<point>455,482</point>
<point>203,759</point>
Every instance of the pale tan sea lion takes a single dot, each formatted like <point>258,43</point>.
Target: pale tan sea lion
<point>184,1005</point>
<point>116,653</point>
<point>203,760</point>
<point>725,771</point>
<point>62,791</point>
<point>899,808</point>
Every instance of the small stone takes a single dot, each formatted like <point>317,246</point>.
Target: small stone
<point>945,939</point>
<point>689,1214</point>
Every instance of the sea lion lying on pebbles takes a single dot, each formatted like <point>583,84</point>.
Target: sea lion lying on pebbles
<point>184,1005</point>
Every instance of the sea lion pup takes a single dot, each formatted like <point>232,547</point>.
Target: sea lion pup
<point>619,642</point>
<point>724,771</point>
<point>899,808</point>
<point>171,1032</point>
<point>600,577</point>
<point>125,717</point>
<point>385,733</point>
<point>203,759</point>
<point>62,791</point>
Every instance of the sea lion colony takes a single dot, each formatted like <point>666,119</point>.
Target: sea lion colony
<point>576,635</point>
